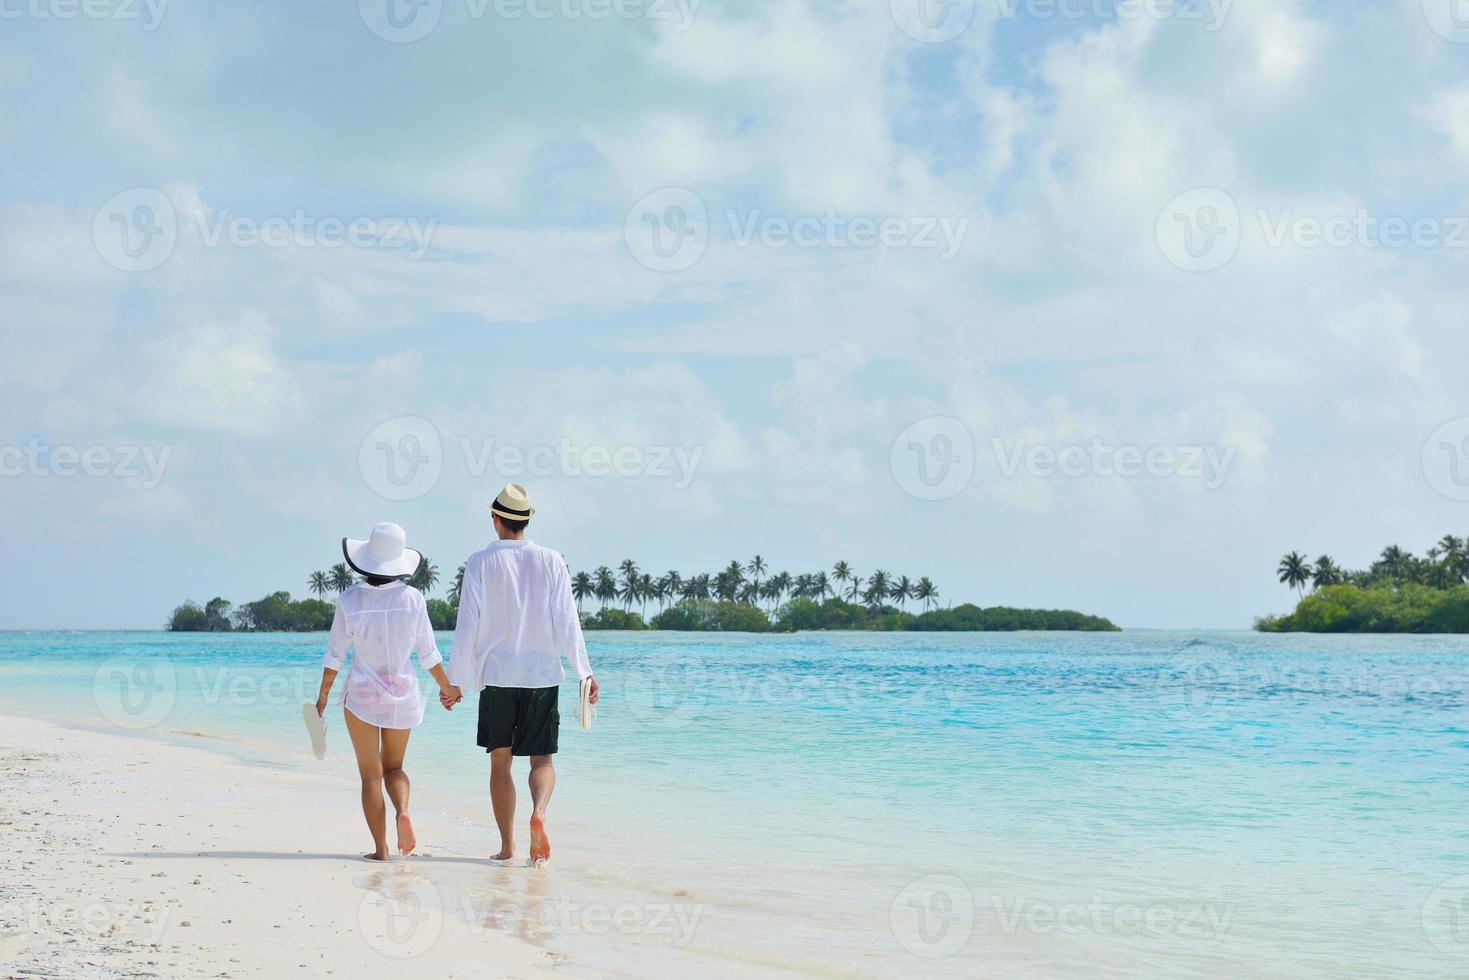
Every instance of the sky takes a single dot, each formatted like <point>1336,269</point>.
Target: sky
<point>1062,303</point>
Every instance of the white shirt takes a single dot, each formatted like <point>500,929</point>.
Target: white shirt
<point>382,625</point>
<point>516,619</point>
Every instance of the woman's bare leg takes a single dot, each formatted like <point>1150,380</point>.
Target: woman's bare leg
<point>365,739</point>
<point>395,747</point>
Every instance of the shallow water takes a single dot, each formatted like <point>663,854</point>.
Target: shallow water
<point>1138,804</point>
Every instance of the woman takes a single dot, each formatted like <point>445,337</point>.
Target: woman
<point>382,621</point>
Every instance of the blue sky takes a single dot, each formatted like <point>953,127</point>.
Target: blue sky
<point>907,257</point>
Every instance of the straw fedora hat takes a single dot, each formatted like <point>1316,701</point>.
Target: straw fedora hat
<point>513,504</point>
<point>383,554</point>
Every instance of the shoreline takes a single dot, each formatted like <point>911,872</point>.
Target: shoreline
<point>128,862</point>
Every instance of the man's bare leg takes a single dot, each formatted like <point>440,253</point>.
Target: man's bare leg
<point>395,746</point>
<point>370,768</point>
<point>502,796</point>
<point>542,782</point>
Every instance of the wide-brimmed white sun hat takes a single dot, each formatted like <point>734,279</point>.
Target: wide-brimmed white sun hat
<point>384,554</point>
<point>513,504</point>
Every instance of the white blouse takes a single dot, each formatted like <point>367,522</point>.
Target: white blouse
<point>382,625</point>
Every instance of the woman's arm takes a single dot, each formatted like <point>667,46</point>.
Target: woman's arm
<point>328,677</point>
<point>449,695</point>
<point>338,642</point>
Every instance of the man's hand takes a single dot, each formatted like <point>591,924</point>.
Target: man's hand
<point>592,695</point>
<point>450,696</point>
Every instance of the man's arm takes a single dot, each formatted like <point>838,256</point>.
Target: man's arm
<point>465,671</point>
<point>568,626</point>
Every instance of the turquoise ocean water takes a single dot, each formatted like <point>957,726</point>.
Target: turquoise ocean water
<point>1138,804</point>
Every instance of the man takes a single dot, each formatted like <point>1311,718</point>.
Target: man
<point>516,619</point>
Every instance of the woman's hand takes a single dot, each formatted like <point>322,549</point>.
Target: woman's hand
<point>321,706</point>
<point>449,695</point>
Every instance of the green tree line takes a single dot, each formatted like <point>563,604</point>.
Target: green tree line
<point>1400,592</point>
<point>742,596</point>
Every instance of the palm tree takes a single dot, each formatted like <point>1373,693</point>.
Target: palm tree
<point>854,587</point>
<point>581,587</point>
<point>756,568</point>
<point>820,586</point>
<point>631,589</point>
<point>606,585</point>
<point>645,592</point>
<point>319,583</point>
<point>341,578</point>
<point>842,572</point>
<point>925,592</point>
<point>1295,571</point>
<point>457,588</point>
<point>877,587</point>
<point>426,577</point>
<point>1395,562</point>
<point>901,590</point>
<point>1326,572</point>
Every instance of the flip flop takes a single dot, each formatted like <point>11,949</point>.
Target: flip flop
<point>585,710</point>
<point>316,726</point>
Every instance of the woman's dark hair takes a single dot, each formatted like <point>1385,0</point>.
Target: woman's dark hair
<point>379,579</point>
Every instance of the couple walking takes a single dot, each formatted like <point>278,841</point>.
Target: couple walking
<point>516,620</point>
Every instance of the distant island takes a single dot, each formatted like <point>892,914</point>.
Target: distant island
<point>741,597</point>
<point>1399,593</point>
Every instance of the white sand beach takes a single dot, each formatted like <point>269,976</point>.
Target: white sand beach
<point>124,858</point>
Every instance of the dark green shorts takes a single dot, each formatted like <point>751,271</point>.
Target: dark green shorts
<point>525,720</point>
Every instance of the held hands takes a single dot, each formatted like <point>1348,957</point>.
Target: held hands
<point>449,695</point>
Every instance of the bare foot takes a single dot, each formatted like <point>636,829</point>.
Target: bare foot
<point>540,844</point>
<point>381,855</point>
<point>406,841</point>
<point>506,853</point>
